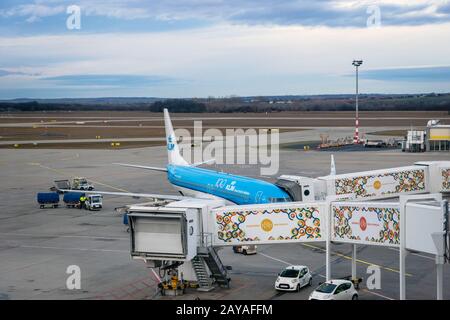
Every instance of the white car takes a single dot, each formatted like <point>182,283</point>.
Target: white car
<point>335,290</point>
<point>293,278</point>
<point>245,250</point>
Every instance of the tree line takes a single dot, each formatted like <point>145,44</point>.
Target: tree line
<point>260,104</point>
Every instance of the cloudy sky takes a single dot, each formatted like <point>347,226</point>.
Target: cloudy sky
<point>200,48</point>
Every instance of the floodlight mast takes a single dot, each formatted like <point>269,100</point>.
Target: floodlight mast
<point>357,64</point>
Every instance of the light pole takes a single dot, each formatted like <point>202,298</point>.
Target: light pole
<point>356,63</point>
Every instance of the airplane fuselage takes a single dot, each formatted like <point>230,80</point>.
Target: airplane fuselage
<point>235,189</point>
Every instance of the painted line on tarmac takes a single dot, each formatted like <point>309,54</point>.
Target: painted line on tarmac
<point>276,259</point>
<point>321,275</point>
<point>377,294</point>
<point>66,174</point>
<point>286,263</point>
<point>76,156</point>
<point>415,254</point>
<point>61,236</point>
<point>357,260</point>
<point>78,249</point>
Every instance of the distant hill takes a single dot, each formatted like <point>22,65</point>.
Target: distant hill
<point>89,101</point>
<point>335,102</point>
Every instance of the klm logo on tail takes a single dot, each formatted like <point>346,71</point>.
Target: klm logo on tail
<point>170,144</point>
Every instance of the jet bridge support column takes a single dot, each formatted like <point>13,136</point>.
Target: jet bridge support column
<point>441,243</point>
<point>440,280</point>
<point>328,225</point>
<point>354,262</point>
<point>402,270</point>
<point>327,259</point>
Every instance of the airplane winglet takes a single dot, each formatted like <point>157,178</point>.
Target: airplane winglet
<point>332,166</point>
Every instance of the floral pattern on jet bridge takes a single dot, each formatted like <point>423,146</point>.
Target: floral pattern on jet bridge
<point>386,232</point>
<point>405,181</point>
<point>445,179</point>
<point>307,226</point>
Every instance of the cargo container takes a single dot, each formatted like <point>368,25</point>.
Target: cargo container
<point>48,199</point>
<point>72,199</point>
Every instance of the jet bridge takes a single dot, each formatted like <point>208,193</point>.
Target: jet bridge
<point>186,235</point>
<point>177,234</point>
<point>421,178</point>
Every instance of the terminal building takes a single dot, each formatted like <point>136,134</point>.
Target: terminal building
<point>415,141</point>
<point>438,136</point>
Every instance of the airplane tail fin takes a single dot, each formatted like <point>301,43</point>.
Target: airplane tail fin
<point>173,152</point>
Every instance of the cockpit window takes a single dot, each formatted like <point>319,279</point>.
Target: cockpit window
<point>275,200</point>
<point>292,188</point>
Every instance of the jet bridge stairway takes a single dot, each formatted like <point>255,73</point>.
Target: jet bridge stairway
<point>209,256</point>
<point>203,278</point>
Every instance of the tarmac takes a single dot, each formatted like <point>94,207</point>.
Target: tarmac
<point>38,245</point>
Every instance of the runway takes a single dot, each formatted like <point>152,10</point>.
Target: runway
<point>307,134</point>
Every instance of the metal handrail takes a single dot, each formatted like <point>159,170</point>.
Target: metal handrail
<point>206,239</point>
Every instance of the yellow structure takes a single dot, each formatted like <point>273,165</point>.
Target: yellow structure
<point>438,137</point>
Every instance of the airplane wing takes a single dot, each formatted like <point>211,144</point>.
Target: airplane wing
<point>129,194</point>
<point>141,167</point>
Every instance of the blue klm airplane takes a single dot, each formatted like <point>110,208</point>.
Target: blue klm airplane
<point>194,182</point>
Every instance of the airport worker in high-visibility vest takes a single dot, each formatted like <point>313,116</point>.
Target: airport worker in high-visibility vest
<point>82,201</point>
